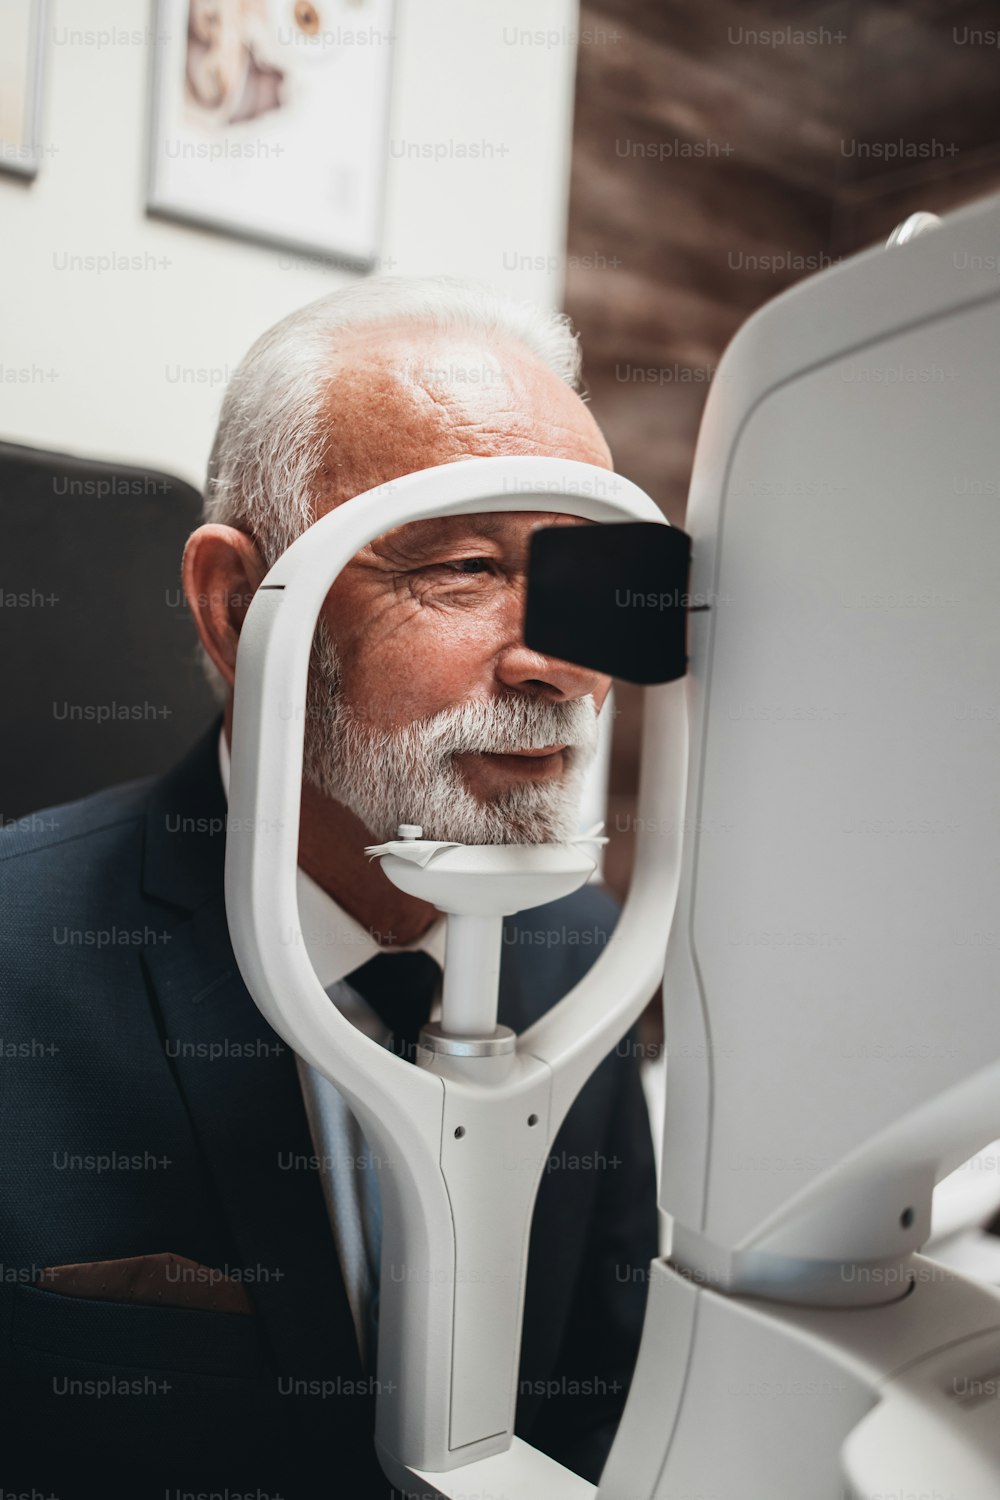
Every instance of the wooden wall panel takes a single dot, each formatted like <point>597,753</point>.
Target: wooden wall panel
<point>721,153</point>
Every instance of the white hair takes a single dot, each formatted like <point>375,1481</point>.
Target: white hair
<point>270,441</point>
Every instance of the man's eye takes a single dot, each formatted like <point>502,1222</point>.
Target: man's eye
<point>469,565</point>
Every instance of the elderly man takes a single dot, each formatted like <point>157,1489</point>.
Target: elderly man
<point>190,1231</point>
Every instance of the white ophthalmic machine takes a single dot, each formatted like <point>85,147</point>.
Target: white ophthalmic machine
<point>817,868</point>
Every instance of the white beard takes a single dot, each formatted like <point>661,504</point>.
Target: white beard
<point>408,775</point>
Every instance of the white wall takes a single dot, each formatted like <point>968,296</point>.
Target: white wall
<point>97,348</point>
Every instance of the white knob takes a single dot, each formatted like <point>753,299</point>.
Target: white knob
<point>409,831</point>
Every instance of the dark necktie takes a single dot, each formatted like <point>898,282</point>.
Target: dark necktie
<point>400,989</point>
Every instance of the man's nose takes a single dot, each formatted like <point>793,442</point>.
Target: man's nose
<point>521,668</point>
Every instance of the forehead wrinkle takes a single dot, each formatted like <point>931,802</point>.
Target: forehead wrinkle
<point>446,527</point>
<point>387,415</point>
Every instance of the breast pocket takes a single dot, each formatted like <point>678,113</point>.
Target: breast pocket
<point>177,1393</point>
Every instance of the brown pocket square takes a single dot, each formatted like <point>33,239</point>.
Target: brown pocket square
<point>163,1280</point>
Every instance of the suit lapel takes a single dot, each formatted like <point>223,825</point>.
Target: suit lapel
<point>241,1088</point>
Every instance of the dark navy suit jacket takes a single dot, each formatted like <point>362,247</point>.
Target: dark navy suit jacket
<point>146,1107</point>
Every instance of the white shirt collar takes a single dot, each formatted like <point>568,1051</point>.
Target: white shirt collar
<point>335,942</point>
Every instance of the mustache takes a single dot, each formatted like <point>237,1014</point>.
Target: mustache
<point>505,726</point>
<point>498,726</point>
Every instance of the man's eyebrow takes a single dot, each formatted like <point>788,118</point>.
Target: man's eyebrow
<point>425,536</point>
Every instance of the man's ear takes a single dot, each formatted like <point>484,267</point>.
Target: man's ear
<point>221,572</point>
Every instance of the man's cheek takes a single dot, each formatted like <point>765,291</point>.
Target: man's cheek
<point>441,666</point>
<point>394,688</point>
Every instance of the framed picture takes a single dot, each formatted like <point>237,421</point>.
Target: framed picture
<point>22,55</point>
<point>269,121</point>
